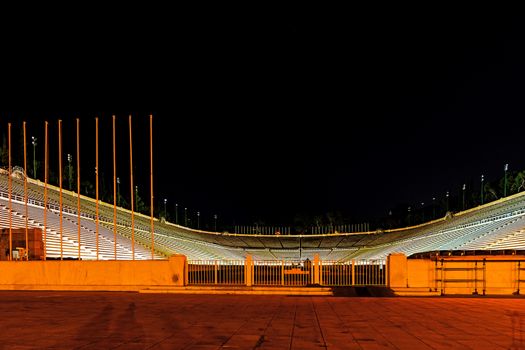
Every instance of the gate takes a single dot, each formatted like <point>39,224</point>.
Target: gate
<point>353,273</point>
<point>282,273</point>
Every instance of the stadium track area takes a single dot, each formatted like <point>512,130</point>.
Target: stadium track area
<point>103,320</point>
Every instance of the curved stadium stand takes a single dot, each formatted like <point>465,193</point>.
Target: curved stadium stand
<point>494,226</point>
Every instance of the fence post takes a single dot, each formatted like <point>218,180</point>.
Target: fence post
<point>353,272</point>
<point>216,271</point>
<point>248,275</point>
<point>317,269</point>
<point>519,269</point>
<point>179,269</point>
<point>397,271</point>
<point>186,272</point>
<point>282,272</point>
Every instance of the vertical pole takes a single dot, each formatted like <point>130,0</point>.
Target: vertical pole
<point>216,272</point>
<point>60,183</point>
<point>482,180</point>
<point>96,181</point>
<point>505,183</point>
<point>282,272</point>
<point>114,192</point>
<point>34,159</point>
<point>10,190</point>
<point>131,194</point>
<point>442,277</point>
<point>518,280</point>
<point>353,272</point>
<point>46,165</point>
<point>70,177</point>
<point>78,187</point>
<point>475,278</point>
<point>387,273</point>
<point>317,270</point>
<point>151,183</point>
<point>464,188</point>
<point>248,270</point>
<point>435,275</point>
<point>25,191</point>
<point>484,275</point>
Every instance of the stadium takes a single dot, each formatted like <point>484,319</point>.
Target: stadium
<point>104,232</point>
<point>316,178</point>
<point>87,273</point>
<point>493,227</point>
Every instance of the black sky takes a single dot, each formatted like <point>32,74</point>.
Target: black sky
<point>263,118</point>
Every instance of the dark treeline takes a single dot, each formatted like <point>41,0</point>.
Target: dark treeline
<point>468,195</point>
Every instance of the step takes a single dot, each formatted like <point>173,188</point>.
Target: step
<point>240,290</point>
<point>416,291</point>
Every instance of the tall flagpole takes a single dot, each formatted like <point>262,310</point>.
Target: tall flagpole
<point>131,184</point>
<point>96,176</point>
<point>114,192</point>
<point>45,193</point>
<point>78,185</point>
<point>10,191</point>
<point>25,191</point>
<point>60,183</point>
<point>151,183</point>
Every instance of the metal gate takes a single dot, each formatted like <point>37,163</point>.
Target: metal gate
<point>353,273</point>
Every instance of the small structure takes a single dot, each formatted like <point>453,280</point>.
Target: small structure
<point>35,244</point>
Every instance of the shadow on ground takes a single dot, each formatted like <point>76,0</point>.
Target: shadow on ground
<point>363,292</point>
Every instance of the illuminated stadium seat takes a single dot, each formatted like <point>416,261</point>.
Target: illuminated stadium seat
<point>498,225</point>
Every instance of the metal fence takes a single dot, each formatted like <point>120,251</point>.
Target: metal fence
<point>479,275</point>
<point>209,272</point>
<point>282,273</point>
<point>287,273</point>
<point>353,273</point>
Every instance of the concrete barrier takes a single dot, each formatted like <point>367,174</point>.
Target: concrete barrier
<point>92,275</point>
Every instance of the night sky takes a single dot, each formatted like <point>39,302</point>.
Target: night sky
<point>264,119</point>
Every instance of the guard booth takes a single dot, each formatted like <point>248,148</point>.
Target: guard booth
<point>34,244</point>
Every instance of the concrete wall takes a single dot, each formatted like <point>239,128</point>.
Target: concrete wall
<point>420,273</point>
<point>92,275</point>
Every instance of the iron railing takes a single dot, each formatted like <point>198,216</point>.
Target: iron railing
<point>287,273</point>
<point>353,273</point>
<point>213,272</point>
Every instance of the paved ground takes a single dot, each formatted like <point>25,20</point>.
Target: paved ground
<point>82,320</point>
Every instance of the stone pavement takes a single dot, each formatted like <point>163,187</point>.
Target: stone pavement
<point>109,320</point>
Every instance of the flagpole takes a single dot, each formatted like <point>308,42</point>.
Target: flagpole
<point>132,196</point>
<point>10,190</point>
<point>25,192</point>
<point>114,192</point>
<point>60,183</point>
<point>151,183</point>
<point>96,178</point>
<point>45,193</point>
<point>78,185</point>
